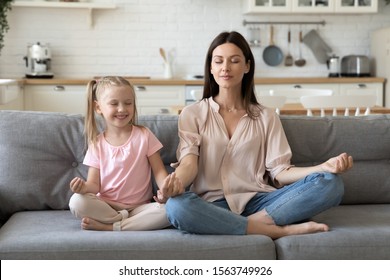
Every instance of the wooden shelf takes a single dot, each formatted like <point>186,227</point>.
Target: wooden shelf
<point>69,5</point>
<point>90,6</point>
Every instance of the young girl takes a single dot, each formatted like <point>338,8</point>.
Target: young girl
<point>117,193</point>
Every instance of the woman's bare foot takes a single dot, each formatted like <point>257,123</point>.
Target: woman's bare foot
<point>91,224</point>
<point>262,223</point>
<point>304,228</point>
<point>276,232</point>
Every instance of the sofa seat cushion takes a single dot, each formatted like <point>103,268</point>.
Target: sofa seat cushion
<point>357,232</point>
<point>56,234</point>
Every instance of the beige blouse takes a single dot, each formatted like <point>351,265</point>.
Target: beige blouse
<point>235,168</point>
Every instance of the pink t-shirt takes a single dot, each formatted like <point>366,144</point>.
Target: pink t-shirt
<point>125,172</point>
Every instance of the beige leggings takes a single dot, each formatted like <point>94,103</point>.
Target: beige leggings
<point>149,216</point>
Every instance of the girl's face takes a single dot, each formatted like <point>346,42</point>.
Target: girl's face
<point>228,65</point>
<point>116,104</point>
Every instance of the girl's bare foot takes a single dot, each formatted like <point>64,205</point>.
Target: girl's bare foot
<point>91,224</point>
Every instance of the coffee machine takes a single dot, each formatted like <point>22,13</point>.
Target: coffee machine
<point>38,61</point>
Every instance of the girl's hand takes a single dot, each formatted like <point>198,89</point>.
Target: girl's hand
<point>159,197</point>
<point>77,185</point>
<point>339,164</point>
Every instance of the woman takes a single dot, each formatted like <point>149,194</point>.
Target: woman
<point>236,154</point>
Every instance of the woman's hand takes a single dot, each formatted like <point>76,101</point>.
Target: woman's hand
<point>77,185</point>
<point>172,186</point>
<point>339,164</point>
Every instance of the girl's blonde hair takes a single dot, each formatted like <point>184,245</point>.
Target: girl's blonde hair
<point>94,91</point>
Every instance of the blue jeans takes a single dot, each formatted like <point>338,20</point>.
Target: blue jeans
<point>293,203</point>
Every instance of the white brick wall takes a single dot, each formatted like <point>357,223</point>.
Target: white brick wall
<point>125,41</point>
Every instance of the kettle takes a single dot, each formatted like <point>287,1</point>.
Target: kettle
<point>333,64</point>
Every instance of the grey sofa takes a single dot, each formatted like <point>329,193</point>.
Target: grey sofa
<point>41,152</point>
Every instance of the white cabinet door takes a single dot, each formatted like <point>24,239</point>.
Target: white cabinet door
<point>267,6</point>
<point>313,6</point>
<point>11,97</point>
<point>310,6</point>
<point>56,98</point>
<point>356,6</point>
<point>363,88</point>
<point>157,100</point>
<point>264,89</point>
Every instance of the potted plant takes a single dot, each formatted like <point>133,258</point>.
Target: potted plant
<point>5,6</point>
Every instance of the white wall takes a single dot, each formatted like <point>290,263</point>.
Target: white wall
<point>125,41</point>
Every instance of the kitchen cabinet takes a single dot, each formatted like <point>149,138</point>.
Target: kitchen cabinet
<point>56,98</point>
<point>11,95</point>
<point>313,6</point>
<point>310,6</point>
<point>88,6</point>
<point>265,89</point>
<point>356,6</point>
<point>363,89</point>
<point>156,99</point>
<point>337,88</point>
<point>267,6</point>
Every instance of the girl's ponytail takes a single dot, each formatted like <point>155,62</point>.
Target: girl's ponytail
<point>90,127</point>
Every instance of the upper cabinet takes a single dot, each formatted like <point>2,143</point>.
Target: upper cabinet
<point>267,6</point>
<point>357,6</point>
<point>310,6</point>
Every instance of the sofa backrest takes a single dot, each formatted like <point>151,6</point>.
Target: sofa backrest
<point>367,138</point>
<point>41,152</point>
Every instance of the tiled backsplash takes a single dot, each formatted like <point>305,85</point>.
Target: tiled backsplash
<point>126,40</point>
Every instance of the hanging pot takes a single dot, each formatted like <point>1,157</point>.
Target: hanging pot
<point>272,54</point>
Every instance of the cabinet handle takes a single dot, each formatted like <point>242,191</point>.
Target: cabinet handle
<point>164,111</point>
<point>140,88</point>
<point>362,86</point>
<point>297,86</point>
<point>59,88</point>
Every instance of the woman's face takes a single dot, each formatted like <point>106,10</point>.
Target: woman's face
<point>228,65</point>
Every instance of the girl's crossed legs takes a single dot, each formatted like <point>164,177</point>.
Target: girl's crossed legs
<point>97,214</point>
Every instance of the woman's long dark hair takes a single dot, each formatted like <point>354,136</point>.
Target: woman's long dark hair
<point>211,88</point>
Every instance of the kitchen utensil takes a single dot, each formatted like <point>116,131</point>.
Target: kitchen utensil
<point>255,37</point>
<point>355,66</point>
<point>300,61</point>
<point>272,54</point>
<point>318,46</point>
<point>333,64</point>
<point>163,55</point>
<point>289,59</point>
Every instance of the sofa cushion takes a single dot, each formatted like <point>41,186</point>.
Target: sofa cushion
<point>57,235</point>
<point>357,232</point>
<point>315,139</point>
<point>164,128</point>
<point>40,153</point>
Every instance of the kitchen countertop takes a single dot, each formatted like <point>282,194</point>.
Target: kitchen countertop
<point>298,109</point>
<point>184,81</point>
